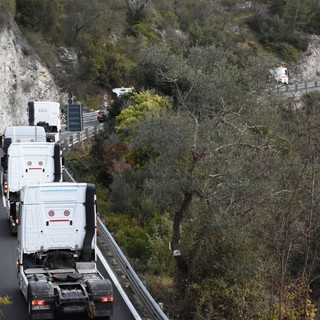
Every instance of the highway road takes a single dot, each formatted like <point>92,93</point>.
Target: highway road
<point>9,284</point>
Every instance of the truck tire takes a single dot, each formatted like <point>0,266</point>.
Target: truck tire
<point>57,163</point>
<point>6,145</point>
<point>93,311</point>
<point>29,309</point>
<point>13,214</point>
<point>30,312</point>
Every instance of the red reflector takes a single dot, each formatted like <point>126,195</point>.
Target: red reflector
<point>38,302</point>
<point>106,299</point>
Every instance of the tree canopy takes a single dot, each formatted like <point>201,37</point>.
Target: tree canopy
<point>204,178</point>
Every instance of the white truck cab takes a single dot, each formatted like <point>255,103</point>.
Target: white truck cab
<point>29,163</point>
<point>46,114</point>
<point>18,134</point>
<point>56,254</point>
<point>33,162</point>
<point>24,134</point>
<point>53,217</point>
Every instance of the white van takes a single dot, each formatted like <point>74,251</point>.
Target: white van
<point>281,74</point>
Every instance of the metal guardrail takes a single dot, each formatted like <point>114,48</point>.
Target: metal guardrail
<point>298,87</point>
<point>73,138</point>
<point>91,128</point>
<point>150,305</point>
<point>138,287</point>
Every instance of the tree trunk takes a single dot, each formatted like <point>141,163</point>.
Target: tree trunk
<point>179,214</point>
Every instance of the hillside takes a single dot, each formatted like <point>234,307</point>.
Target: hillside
<point>198,157</point>
<point>25,76</point>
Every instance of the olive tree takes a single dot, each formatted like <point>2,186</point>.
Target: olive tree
<point>196,161</point>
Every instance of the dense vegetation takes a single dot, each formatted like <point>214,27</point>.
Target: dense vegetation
<point>109,37</point>
<point>199,156</point>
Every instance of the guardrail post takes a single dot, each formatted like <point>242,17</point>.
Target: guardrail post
<point>316,84</point>
<point>71,141</point>
<point>306,86</point>
<point>296,87</point>
<point>65,144</point>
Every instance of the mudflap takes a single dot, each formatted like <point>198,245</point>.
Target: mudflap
<point>101,298</point>
<point>40,300</point>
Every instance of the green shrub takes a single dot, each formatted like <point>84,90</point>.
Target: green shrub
<point>299,41</point>
<point>286,52</point>
<point>132,238</point>
<point>11,6</point>
<point>4,301</point>
<point>147,31</point>
<point>44,49</point>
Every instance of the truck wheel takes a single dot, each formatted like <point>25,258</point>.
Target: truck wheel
<point>13,214</point>
<point>29,309</point>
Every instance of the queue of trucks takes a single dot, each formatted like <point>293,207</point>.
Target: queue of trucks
<point>55,223</point>
<point>30,154</point>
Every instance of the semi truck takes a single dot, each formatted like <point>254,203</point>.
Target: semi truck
<point>28,163</point>
<point>47,115</point>
<point>19,134</point>
<point>56,252</point>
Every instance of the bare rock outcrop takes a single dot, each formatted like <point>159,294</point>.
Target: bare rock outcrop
<point>22,77</point>
<point>309,65</point>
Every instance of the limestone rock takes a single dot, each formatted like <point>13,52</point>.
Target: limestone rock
<point>22,77</point>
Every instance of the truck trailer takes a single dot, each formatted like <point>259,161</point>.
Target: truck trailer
<point>56,252</point>
<point>29,163</point>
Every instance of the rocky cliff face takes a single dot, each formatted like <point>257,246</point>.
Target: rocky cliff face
<point>308,68</point>
<point>22,77</point>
